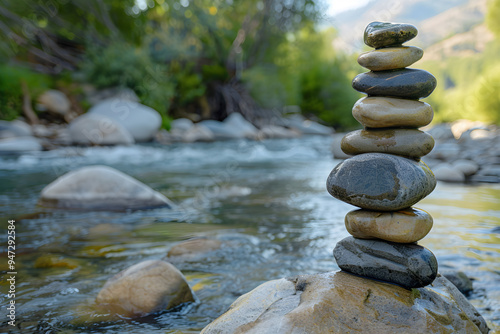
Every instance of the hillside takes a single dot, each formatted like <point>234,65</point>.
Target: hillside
<point>436,20</point>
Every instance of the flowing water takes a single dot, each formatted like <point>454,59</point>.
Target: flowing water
<point>267,202</point>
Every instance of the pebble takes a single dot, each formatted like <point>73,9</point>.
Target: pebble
<point>406,83</point>
<point>382,112</point>
<point>390,58</point>
<point>405,142</point>
<point>404,226</point>
<point>408,265</point>
<point>380,182</point>
<point>380,34</point>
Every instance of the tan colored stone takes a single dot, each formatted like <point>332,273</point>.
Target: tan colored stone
<point>194,247</point>
<point>390,58</point>
<point>339,303</point>
<point>405,142</point>
<point>383,112</point>
<point>404,226</point>
<point>145,288</point>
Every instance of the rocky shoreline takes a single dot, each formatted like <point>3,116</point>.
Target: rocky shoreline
<point>464,152</point>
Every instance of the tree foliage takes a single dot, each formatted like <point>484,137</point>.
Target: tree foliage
<point>184,57</point>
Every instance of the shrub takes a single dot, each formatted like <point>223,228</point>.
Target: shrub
<point>11,94</point>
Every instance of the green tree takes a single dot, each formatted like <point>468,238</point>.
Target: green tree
<point>492,18</point>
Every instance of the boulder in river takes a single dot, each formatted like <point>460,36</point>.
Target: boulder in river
<point>94,129</point>
<point>145,288</point>
<point>100,188</point>
<point>339,303</point>
<point>140,121</point>
<point>238,123</point>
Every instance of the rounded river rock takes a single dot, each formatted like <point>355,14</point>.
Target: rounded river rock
<point>405,83</point>
<point>408,265</point>
<point>380,34</point>
<point>380,182</point>
<point>390,58</point>
<point>404,226</point>
<point>406,142</point>
<point>382,112</point>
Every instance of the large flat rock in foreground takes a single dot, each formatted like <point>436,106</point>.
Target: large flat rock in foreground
<point>100,188</point>
<point>339,302</point>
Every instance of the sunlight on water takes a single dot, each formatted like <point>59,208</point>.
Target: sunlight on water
<point>265,200</point>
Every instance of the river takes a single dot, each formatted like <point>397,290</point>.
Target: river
<point>267,200</point>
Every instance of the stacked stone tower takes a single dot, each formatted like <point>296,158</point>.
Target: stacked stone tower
<point>386,177</point>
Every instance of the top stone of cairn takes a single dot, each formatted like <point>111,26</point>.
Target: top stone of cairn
<point>382,34</point>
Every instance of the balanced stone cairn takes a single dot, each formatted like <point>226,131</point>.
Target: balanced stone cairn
<point>385,177</point>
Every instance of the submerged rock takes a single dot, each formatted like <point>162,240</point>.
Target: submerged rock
<point>145,288</point>
<point>409,265</point>
<point>194,248</point>
<point>340,303</point>
<point>100,188</point>
<point>380,182</point>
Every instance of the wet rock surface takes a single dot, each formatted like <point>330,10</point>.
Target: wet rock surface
<point>378,181</point>
<point>145,288</point>
<point>339,303</point>
<point>100,188</point>
<point>408,265</point>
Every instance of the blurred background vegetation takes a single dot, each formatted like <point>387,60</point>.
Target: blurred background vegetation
<point>204,59</point>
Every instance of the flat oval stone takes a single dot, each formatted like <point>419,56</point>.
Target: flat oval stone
<point>380,34</point>
<point>408,265</point>
<point>406,83</point>
<point>405,142</point>
<point>390,58</point>
<point>380,182</point>
<point>404,226</point>
<point>384,112</point>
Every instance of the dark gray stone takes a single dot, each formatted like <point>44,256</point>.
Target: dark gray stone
<point>381,34</point>
<point>380,182</point>
<point>460,280</point>
<point>408,265</point>
<point>406,83</point>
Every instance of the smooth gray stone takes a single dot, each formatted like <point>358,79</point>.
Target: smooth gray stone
<point>380,34</point>
<point>408,265</point>
<point>406,83</point>
<point>379,181</point>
